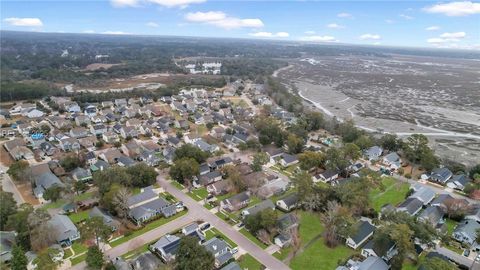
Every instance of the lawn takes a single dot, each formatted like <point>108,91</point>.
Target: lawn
<point>316,254</point>
<point>252,238</point>
<point>450,224</point>
<point>79,216</point>
<point>394,193</point>
<point>78,259</point>
<point>214,232</point>
<point>248,262</point>
<point>67,253</point>
<point>137,251</point>
<point>282,254</point>
<point>198,194</point>
<point>62,202</point>
<point>79,248</point>
<point>224,196</point>
<point>177,185</point>
<point>149,226</point>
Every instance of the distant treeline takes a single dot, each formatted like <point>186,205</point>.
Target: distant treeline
<point>10,91</point>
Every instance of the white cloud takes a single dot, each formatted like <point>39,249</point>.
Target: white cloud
<point>270,35</point>
<point>436,40</point>
<point>344,15</point>
<point>370,37</point>
<point>406,17</point>
<point>222,20</point>
<point>463,8</point>
<point>320,39</point>
<point>115,33</point>
<point>335,26</point>
<point>432,28</point>
<point>454,35</point>
<point>23,21</point>
<point>310,32</point>
<point>88,31</point>
<point>389,21</point>
<point>152,24</point>
<point>165,3</point>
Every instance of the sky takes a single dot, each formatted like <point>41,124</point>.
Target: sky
<point>391,23</point>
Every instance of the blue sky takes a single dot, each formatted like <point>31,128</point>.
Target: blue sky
<point>392,23</point>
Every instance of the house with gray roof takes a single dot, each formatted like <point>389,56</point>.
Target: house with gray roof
<point>80,174</point>
<point>219,188</point>
<point>364,231</point>
<point>209,178</point>
<point>231,266</point>
<point>288,160</point>
<point>386,250</point>
<point>151,209</point>
<point>166,247</point>
<point>474,213</point>
<point>466,232</point>
<point>64,231</point>
<point>373,153</point>
<point>219,249</point>
<point>45,181</point>
<point>145,261</point>
<point>424,194</point>
<point>441,175</point>
<point>263,205</point>
<point>373,263</point>
<point>235,202</point>
<point>458,181</point>
<point>433,215</point>
<point>7,240</point>
<point>411,206</point>
<point>107,218</point>
<point>392,160</point>
<point>288,203</point>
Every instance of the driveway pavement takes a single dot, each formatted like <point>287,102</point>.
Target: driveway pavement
<point>9,186</point>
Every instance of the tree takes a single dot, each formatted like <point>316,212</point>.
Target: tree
<point>474,170</point>
<point>94,258</point>
<point>402,236</point>
<point>8,207</point>
<point>80,187</point>
<point>390,142</point>
<point>437,263</point>
<point>348,131</point>
<point>104,179</point>
<point>142,175</point>
<point>335,159</point>
<point>190,151</point>
<point>351,151</point>
<point>304,184</point>
<point>355,195</point>
<point>338,222</point>
<point>190,255</point>
<point>364,142</point>
<point>71,162</point>
<point>19,222</point>
<point>19,170</point>
<point>184,169</point>
<point>95,228</point>
<point>428,160</point>
<point>314,120</point>
<point>294,144</point>
<point>235,179</point>
<point>44,259</point>
<point>107,199</point>
<point>53,193</point>
<point>19,260</point>
<point>259,159</point>
<point>311,160</point>
<point>120,201</point>
<point>41,234</point>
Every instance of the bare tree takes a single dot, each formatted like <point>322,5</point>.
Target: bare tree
<point>120,200</point>
<point>296,240</point>
<point>338,221</point>
<point>264,236</point>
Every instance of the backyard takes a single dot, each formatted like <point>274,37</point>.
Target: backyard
<point>394,193</point>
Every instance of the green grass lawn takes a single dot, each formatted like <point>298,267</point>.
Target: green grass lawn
<point>62,202</point>
<point>224,196</point>
<point>198,194</point>
<point>177,185</point>
<point>253,200</point>
<point>149,226</point>
<point>450,224</point>
<point>208,206</point>
<point>79,248</point>
<point>137,251</point>
<point>216,233</point>
<point>394,193</point>
<point>282,254</point>
<point>317,255</point>
<point>78,259</point>
<point>79,216</point>
<point>67,253</point>
<point>252,238</point>
<point>248,262</point>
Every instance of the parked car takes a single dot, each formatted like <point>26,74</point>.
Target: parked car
<point>466,252</point>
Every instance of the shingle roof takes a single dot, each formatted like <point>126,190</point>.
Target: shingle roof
<point>364,229</point>
<point>62,227</point>
<point>263,205</point>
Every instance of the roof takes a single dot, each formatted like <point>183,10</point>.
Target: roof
<point>468,227</point>
<point>460,178</point>
<point>441,199</point>
<point>240,197</point>
<point>380,249</point>
<point>146,195</point>
<point>145,210</point>
<point>392,157</point>
<point>287,221</point>
<point>441,174</point>
<point>231,266</point>
<point>290,200</point>
<point>47,180</point>
<point>62,227</point>
<point>374,151</point>
<point>7,240</point>
<point>263,205</point>
<point>289,158</point>
<point>329,173</point>
<point>424,194</point>
<point>215,244</point>
<point>411,205</point>
<point>168,243</point>
<point>373,263</point>
<point>432,214</point>
<point>364,229</point>
<point>97,212</point>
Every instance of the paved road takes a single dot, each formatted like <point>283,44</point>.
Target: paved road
<point>455,256</point>
<point>244,243</point>
<point>9,186</point>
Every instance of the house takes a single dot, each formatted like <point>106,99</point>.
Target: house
<point>236,202</point>
<point>11,144</point>
<point>219,249</point>
<point>209,178</point>
<point>166,247</point>
<point>90,110</point>
<point>88,142</point>
<point>193,230</point>
<point>191,138</point>
<point>424,194</point>
<point>7,241</point>
<point>120,102</point>
<point>466,232</point>
<point>274,187</point>
<point>326,177</point>
<point>288,160</point>
<point>150,158</point>
<point>458,181</point>
<point>34,113</point>
<point>145,261</point>
<point>411,206</point>
<point>100,165</point>
<point>285,225</point>
<point>48,148</point>
<point>111,155</point>
<point>108,220</point>
<point>204,146</point>
<point>21,108</point>
<point>231,266</point>
<point>146,205</point>
<point>433,215</point>
<point>373,153</point>
<point>110,137</point>
<point>392,160</point>
<point>288,203</point>
<point>220,163</point>
<point>91,158</point>
<point>386,250</point>
<point>372,263</point>
<point>219,188</point>
<point>442,199</point>
<point>82,120</point>
<point>364,231</point>
<point>124,161</point>
<point>128,132</point>
<point>474,213</point>
<point>98,129</point>
<point>441,175</point>
<point>132,149</point>
<point>63,229</point>
<point>21,152</point>
<point>174,142</point>
<point>78,132</point>
<point>45,181</point>
<point>72,107</point>
<point>257,208</point>
<point>80,174</point>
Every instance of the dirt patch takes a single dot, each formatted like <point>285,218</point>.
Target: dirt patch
<point>26,192</point>
<point>5,158</point>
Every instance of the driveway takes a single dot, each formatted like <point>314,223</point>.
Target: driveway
<point>9,186</point>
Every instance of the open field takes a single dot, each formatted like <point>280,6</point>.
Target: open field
<point>394,193</point>
<point>438,97</point>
